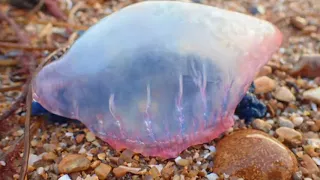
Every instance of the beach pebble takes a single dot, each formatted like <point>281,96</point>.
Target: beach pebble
<point>264,84</point>
<point>312,95</point>
<point>289,134</point>
<point>261,125</point>
<point>65,177</point>
<point>51,156</point>
<point>284,122</point>
<point>310,29</point>
<point>95,164</point>
<point>103,171</point>
<point>90,136</point>
<point>309,164</point>
<point>40,170</point>
<point>122,170</point>
<point>265,71</point>
<point>212,176</point>
<point>307,66</point>
<point>284,94</point>
<point>299,22</point>
<point>181,162</point>
<point>154,172</point>
<point>168,170</point>
<point>33,158</point>
<point>73,163</point>
<point>102,156</point>
<point>18,133</point>
<point>297,121</point>
<point>316,160</point>
<point>248,155</point>
<point>126,155</point>
<point>79,138</point>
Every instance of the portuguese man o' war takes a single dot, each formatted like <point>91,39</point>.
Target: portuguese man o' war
<point>157,77</point>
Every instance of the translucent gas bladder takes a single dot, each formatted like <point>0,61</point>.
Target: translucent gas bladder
<point>158,76</point>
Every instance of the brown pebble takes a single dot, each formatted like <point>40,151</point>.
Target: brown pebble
<point>16,176</point>
<point>114,159</point>
<point>261,125</point>
<point>280,74</point>
<point>310,150</point>
<point>103,171</point>
<point>73,163</point>
<point>154,172</point>
<point>136,157</point>
<point>183,162</point>
<point>34,143</point>
<point>314,128</point>
<point>252,154</point>
<point>51,156</point>
<point>299,22</point>
<point>310,135</point>
<point>90,136</point>
<point>309,164</point>
<point>307,66</point>
<point>126,155</point>
<point>284,94</point>
<point>153,161</point>
<point>168,170</point>
<point>49,147</point>
<point>264,84</point>
<point>315,177</point>
<point>18,133</point>
<point>79,138</point>
<point>317,122</point>
<point>95,164</point>
<point>122,170</point>
<point>310,29</point>
<point>304,170</point>
<point>289,134</point>
<point>265,70</point>
<point>31,168</point>
<point>312,95</point>
<point>119,172</point>
<point>102,156</point>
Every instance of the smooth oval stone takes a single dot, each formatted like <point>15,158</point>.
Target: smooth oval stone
<point>158,76</point>
<point>252,155</point>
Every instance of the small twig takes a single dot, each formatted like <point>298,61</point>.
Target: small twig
<point>26,47</point>
<point>26,151</point>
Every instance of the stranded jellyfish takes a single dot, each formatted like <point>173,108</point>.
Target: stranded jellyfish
<point>158,76</point>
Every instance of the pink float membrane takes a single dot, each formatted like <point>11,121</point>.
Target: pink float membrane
<point>157,77</point>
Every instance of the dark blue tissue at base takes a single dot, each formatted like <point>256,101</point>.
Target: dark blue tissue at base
<point>250,107</point>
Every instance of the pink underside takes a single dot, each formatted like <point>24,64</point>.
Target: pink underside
<point>175,145</point>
